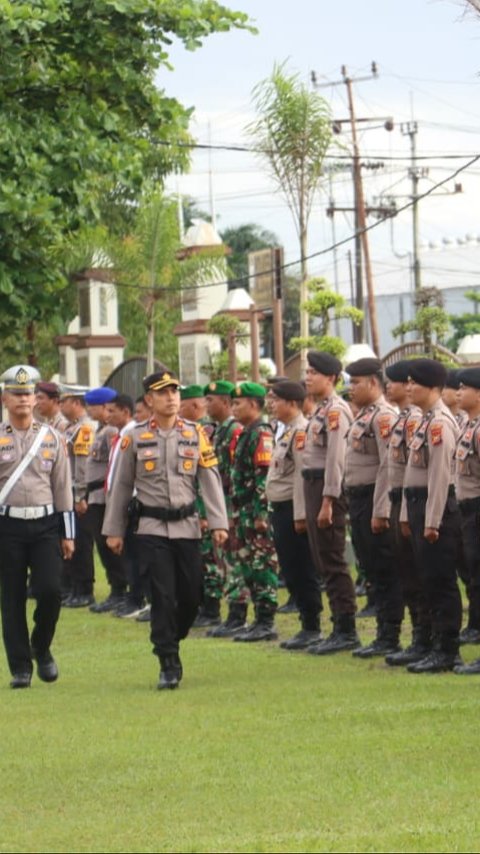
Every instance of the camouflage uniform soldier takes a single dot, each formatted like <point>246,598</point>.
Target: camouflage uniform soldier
<point>79,437</point>
<point>366,479</point>
<point>165,460</point>
<point>36,529</point>
<point>225,437</point>
<point>430,513</point>
<point>255,550</point>
<point>468,492</point>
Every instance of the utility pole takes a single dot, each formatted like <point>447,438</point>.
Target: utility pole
<point>360,211</point>
<point>411,129</point>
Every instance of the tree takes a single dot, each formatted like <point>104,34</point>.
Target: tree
<point>465,324</point>
<point>242,239</point>
<point>82,127</point>
<point>325,305</point>
<point>431,320</point>
<point>293,133</point>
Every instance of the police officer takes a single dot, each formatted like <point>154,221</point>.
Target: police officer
<point>429,512</point>
<point>467,484</point>
<point>366,478</point>
<point>227,575</point>
<point>323,463</point>
<point>79,573</point>
<point>291,540</point>
<point>36,529</point>
<point>164,460</point>
<point>451,397</point>
<point>398,393</point>
<point>47,403</point>
<point>94,502</point>
<point>254,544</point>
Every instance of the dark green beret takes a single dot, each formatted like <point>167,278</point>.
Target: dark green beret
<point>428,372</point>
<point>249,390</point>
<point>188,392</point>
<point>399,372</point>
<point>219,387</point>
<point>364,367</point>
<point>289,390</point>
<point>469,377</point>
<point>324,363</point>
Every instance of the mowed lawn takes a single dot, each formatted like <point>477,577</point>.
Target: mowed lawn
<point>259,750</point>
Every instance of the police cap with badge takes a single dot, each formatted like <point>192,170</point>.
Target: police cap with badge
<point>160,380</point>
<point>20,379</point>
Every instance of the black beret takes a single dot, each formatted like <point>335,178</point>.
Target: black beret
<point>289,390</point>
<point>271,381</point>
<point>399,372</point>
<point>428,372</point>
<point>452,380</point>
<point>469,377</point>
<point>324,363</point>
<point>364,367</point>
<point>52,390</point>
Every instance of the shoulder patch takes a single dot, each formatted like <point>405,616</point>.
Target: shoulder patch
<point>208,457</point>
<point>300,440</point>
<point>126,441</point>
<point>333,419</point>
<point>436,432</point>
<point>263,451</point>
<point>83,442</point>
<point>385,426</point>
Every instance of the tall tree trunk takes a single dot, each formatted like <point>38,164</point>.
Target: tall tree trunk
<point>304,318</point>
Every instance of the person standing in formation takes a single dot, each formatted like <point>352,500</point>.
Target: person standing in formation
<point>430,514</point>
<point>366,479</point>
<point>165,460</point>
<point>285,494</point>
<point>36,529</point>
<point>47,404</point>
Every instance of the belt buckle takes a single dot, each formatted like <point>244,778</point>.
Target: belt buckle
<point>30,512</point>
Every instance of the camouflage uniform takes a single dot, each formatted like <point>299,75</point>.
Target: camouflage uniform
<point>255,551</point>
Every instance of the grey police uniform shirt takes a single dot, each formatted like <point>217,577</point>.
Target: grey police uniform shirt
<point>59,423</point>
<point>367,448</point>
<point>47,479</point>
<point>281,482</point>
<point>467,461</point>
<point>325,442</point>
<point>79,437</point>
<point>165,467</point>
<point>398,445</point>
<point>431,461</point>
<point>97,462</point>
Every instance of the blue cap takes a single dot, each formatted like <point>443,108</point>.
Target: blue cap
<point>99,396</point>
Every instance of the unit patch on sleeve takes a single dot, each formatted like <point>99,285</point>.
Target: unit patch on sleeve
<point>384,426</point>
<point>207,454</point>
<point>263,451</point>
<point>125,443</point>
<point>436,431</point>
<point>333,419</point>
<point>300,440</point>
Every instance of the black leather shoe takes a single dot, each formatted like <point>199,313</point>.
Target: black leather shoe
<point>257,632</point>
<point>410,655</point>
<point>378,648</point>
<point>171,673</point>
<point>336,642</point>
<point>81,601</point>
<point>47,669</point>
<point>205,621</point>
<point>302,640</point>
<point>469,635</point>
<point>109,604</point>
<point>471,669</point>
<point>290,607</point>
<point>228,629</point>
<point>20,680</point>
<point>435,662</point>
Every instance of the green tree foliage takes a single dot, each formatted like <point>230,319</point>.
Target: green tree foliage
<point>82,127</point>
<point>325,305</point>
<point>465,324</point>
<point>431,320</point>
<point>241,240</point>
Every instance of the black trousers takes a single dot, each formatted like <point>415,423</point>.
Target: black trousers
<point>174,574</point>
<point>327,546</point>
<point>408,573</point>
<point>33,544</point>
<point>114,565</point>
<point>470,530</point>
<point>437,566</point>
<point>297,564</point>
<point>377,555</point>
<point>80,568</point>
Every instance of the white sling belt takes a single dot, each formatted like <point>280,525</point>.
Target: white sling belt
<point>16,475</point>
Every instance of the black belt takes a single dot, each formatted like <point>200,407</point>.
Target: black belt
<point>467,504</point>
<point>93,485</point>
<point>395,494</point>
<point>313,474</point>
<point>278,505</point>
<point>359,491</point>
<point>168,514</point>
<point>414,492</point>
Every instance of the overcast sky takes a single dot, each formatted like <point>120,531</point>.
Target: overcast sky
<point>428,58</point>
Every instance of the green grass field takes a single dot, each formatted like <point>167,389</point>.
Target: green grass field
<point>259,750</point>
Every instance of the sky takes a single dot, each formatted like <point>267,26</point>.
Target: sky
<point>428,57</point>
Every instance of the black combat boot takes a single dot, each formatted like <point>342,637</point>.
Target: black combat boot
<point>208,614</point>
<point>344,636</point>
<point>170,672</point>
<point>261,630</point>
<point>420,646</point>
<point>236,622</point>
<point>385,643</point>
<point>443,657</point>
<point>290,606</point>
<point>303,639</point>
<point>472,669</point>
